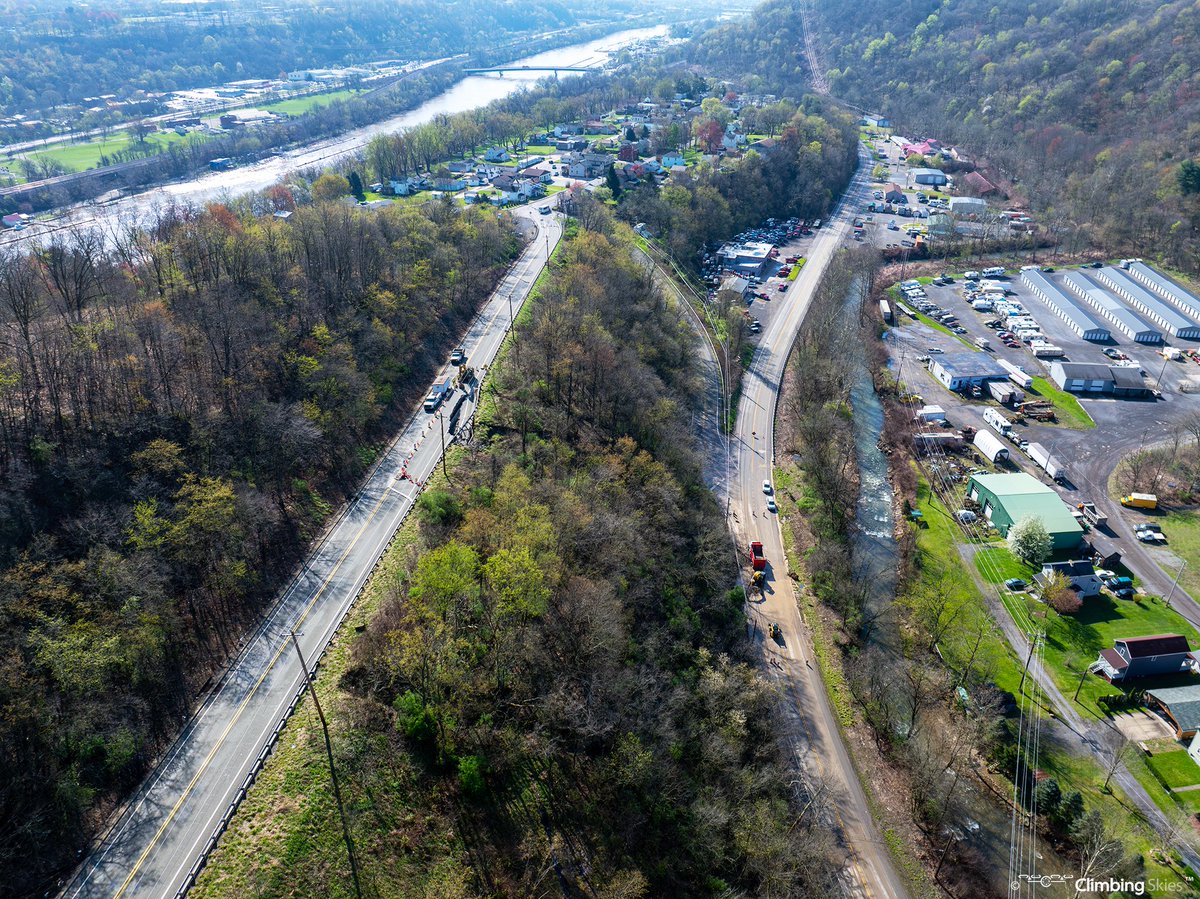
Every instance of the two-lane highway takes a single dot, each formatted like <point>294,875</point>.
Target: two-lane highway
<point>154,848</point>
<point>813,731</point>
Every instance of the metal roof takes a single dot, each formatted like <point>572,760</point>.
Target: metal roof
<point>1164,286</point>
<point>1089,371</point>
<point>1155,645</point>
<point>1024,496</point>
<point>1068,308</point>
<point>1129,322</point>
<point>970,365</point>
<point>1141,299</point>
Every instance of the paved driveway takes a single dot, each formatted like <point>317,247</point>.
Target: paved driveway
<point>1142,725</point>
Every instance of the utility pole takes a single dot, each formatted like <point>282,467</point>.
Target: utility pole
<point>1175,582</point>
<point>442,428</point>
<point>1037,638</point>
<point>337,793</point>
<point>1079,686</point>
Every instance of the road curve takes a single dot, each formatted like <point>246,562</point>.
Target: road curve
<point>813,732</point>
<point>155,847</point>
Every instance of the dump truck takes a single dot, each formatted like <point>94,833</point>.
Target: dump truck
<point>757,560</point>
<point>1140,501</point>
<point>1092,514</point>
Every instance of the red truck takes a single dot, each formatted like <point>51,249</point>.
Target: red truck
<point>757,560</point>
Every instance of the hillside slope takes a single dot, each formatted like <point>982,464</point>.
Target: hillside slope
<point>1090,105</point>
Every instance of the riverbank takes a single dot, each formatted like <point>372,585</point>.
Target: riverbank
<point>458,93</point>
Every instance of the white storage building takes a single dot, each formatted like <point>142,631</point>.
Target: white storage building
<point>1066,307</point>
<point>1185,300</point>
<point>1155,309</point>
<point>1127,321</point>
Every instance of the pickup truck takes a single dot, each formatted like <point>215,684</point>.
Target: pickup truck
<point>758,561</point>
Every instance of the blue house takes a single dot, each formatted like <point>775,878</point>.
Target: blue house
<point>1134,657</point>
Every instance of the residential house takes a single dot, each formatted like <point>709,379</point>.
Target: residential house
<point>1180,706</point>
<point>570,144</point>
<point>1081,576</point>
<point>672,159</point>
<point>449,184</point>
<point>1134,657</point>
<point>540,175</point>
<point>586,165</point>
<point>976,185</point>
<point>766,146</point>
<point>404,187</point>
<point>496,154</point>
<point>894,194</point>
<point>627,178</point>
<point>568,129</point>
<point>596,127</point>
<point>627,153</point>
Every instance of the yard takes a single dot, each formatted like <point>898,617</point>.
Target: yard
<point>1175,769</point>
<point>997,565</point>
<point>1066,407</point>
<point>1183,531</point>
<point>1073,642</point>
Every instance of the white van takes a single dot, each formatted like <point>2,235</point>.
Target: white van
<point>994,272</point>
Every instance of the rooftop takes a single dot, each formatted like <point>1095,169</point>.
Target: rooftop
<point>971,365</point>
<point>1182,702</point>
<point>1091,371</point>
<point>1157,645</point>
<point>1025,496</point>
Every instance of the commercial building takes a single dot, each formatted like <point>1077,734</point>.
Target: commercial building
<point>748,258</point>
<point>957,371</point>
<point>1065,307</point>
<point>1008,498</point>
<point>1184,300</point>
<point>1127,321</point>
<point>1082,377</point>
<point>1170,319</point>
<point>967,206</point>
<point>1096,377</point>
<point>935,177</point>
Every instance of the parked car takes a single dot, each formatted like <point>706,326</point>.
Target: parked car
<point>771,507</point>
<point>1015,584</point>
<point>965,516</point>
<point>935,351</point>
<point>767,488</point>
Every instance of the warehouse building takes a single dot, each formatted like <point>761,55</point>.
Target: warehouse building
<point>958,371</point>
<point>1008,498</point>
<point>1096,377</point>
<point>1127,321</point>
<point>1065,307</point>
<point>935,177</point>
<point>1184,300</point>
<point>1171,320</point>
<point>748,258</point>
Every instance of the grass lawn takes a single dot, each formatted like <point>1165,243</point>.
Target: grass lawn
<point>1070,413</point>
<point>1175,769</point>
<point>941,569</point>
<point>1183,532</point>
<point>997,565</point>
<point>301,105</point>
<point>540,150</point>
<point>1074,641</point>
<point>552,189</point>
<point>84,155</point>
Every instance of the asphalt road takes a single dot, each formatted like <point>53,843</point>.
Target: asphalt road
<point>813,729</point>
<point>167,824</point>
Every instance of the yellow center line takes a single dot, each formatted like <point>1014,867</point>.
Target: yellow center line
<point>242,707</point>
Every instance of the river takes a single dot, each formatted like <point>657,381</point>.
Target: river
<point>470,93</point>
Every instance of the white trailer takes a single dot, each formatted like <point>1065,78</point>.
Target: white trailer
<point>990,446</point>
<point>997,422</point>
<point>1045,460</point>
<point>1016,375</point>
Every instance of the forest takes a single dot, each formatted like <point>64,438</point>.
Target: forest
<point>180,410</point>
<point>558,674</point>
<point>1090,108</point>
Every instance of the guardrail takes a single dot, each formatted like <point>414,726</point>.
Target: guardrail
<point>468,426</point>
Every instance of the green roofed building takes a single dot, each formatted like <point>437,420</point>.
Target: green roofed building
<point>1008,498</point>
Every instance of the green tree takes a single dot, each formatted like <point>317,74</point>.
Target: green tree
<point>356,186</point>
<point>1189,177</point>
<point>329,187</point>
<point>612,182</point>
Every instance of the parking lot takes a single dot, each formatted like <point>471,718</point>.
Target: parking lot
<point>789,240</point>
<point>916,342</point>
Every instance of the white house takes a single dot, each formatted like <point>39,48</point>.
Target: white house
<point>496,154</point>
